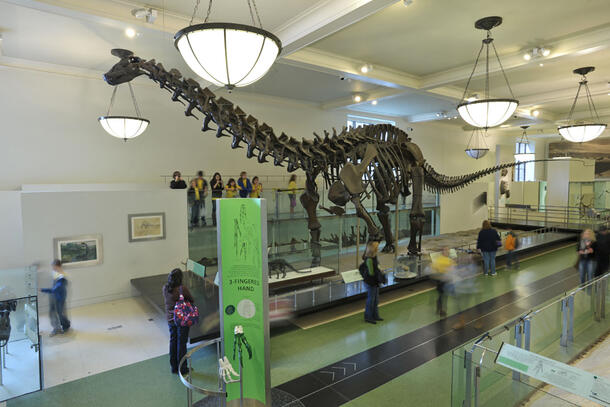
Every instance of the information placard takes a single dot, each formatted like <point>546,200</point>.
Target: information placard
<point>196,268</point>
<point>242,266</point>
<point>566,377</point>
<point>351,276</point>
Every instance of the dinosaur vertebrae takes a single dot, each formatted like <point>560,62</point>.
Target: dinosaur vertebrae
<point>387,175</point>
<point>321,153</point>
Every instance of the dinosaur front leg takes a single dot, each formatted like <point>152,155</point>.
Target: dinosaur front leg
<point>417,215</point>
<point>383,213</point>
<point>309,200</point>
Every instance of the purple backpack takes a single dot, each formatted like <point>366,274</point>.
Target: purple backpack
<point>185,313</point>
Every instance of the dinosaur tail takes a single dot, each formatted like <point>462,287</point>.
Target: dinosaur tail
<point>435,182</point>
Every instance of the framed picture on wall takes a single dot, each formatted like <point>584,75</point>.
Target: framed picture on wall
<point>146,226</point>
<point>78,251</point>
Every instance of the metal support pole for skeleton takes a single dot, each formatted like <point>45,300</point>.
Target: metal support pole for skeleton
<point>357,242</point>
<point>396,219</point>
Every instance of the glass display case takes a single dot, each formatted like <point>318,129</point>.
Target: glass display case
<point>20,362</point>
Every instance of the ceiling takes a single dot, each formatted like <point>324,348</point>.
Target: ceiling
<point>421,54</point>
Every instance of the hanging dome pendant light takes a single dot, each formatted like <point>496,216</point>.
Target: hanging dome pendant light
<point>477,147</point>
<point>124,127</point>
<point>580,132</point>
<point>228,54</point>
<point>487,112</point>
<point>523,156</point>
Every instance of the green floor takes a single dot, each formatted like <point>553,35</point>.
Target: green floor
<point>298,352</point>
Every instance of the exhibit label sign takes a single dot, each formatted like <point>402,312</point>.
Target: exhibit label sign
<point>242,260</point>
<point>566,377</point>
<point>196,268</point>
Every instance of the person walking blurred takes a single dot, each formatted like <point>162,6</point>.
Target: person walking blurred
<point>586,255</point>
<point>373,278</point>
<point>292,186</point>
<point>511,244</point>
<point>488,242</point>
<point>57,305</point>
<point>603,251</point>
<point>194,197</point>
<point>442,272</point>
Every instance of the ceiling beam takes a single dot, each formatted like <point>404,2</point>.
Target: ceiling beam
<point>596,88</point>
<point>376,94</point>
<point>578,44</point>
<point>323,19</point>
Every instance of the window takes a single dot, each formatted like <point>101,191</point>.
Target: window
<point>355,121</point>
<point>525,171</point>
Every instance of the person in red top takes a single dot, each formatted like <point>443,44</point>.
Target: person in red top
<point>178,335</point>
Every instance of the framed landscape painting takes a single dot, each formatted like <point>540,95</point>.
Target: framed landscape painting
<point>146,226</point>
<point>78,251</point>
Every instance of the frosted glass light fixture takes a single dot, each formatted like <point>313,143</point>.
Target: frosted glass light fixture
<point>477,147</point>
<point>583,131</point>
<point>524,141</point>
<point>487,112</point>
<point>124,127</point>
<point>228,54</point>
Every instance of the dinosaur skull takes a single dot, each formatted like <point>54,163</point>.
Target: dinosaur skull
<point>125,70</point>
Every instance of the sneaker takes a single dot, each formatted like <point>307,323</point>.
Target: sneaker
<point>370,321</point>
<point>378,319</point>
<point>494,274</point>
<point>56,332</point>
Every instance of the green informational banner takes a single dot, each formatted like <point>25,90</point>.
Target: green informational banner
<point>242,260</point>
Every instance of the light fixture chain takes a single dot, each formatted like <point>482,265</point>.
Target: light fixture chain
<point>592,108</point>
<point>574,103</point>
<point>112,100</point>
<point>194,12</point>
<point>135,103</point>
<point>252,4</point>
<point>487,69</point>
<point>472,73</point>
<point>207,15</point>
<point>503,73</point>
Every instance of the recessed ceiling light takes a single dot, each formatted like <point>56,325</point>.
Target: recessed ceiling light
<point>505,125</point>
<point>374,102</point>
<point>527,56</point>
<point>130,32</point>
<point>535,113</point>
<point>366,68</point>
<point>357,98</point>
<point>541,64</point>
<point>545,52</point>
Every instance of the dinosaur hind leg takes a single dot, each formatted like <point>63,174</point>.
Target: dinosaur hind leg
<point>309,200</point>
<point>383,213</point>
<point>374,234</point>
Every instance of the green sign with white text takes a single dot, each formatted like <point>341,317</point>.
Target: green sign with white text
<point>242,248</point>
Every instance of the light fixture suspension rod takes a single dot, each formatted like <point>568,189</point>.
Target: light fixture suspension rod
<point>592,108</point>
<point>574,103</point>
<point>195,10</point>
<point>472,73</point>
<point>252,3</point>
<point>502,70</point>
<point>487,41</point>
<point>112,99</point>
<point>133,98</point>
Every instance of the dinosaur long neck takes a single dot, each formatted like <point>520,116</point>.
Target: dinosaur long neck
<point>231,121</point>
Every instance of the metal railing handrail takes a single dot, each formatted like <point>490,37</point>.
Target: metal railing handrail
<point>187,383</point>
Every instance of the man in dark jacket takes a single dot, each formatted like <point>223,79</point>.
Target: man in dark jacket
<point>602,251</point>
<point>57,305</point>
<point>488,243</point>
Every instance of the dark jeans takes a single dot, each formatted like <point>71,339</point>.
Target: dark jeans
<point>178,336</point>
<point>201,205</point>
<point>441,300</point>
<point>214,211</point>
<point>57,314</point>
<point>371,310</point>
<point>195,213</point>
<point>511,259</point>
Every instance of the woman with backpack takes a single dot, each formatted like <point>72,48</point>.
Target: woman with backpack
<point>373,278</point>
<point>488,243</point>
<point>178,334</point>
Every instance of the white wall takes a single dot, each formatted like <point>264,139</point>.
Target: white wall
<point>47,215</point>
<point>11,233</point>
<point>558,174</point>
